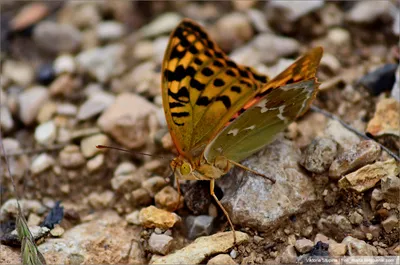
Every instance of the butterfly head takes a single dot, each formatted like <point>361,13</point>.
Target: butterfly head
<point>183,168</point>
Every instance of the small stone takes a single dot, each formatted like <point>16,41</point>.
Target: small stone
<point>379,80</point>
<point>162,24</point>
<point>390,186</point>
<point>323,238</point>
<point>64,63</point>
<point>10,208</point>
<point>337,249</point>
<point>47,112</point>
<point>377,195</point>
<point>367,176</point>
<point>307,231</point>
<point>368,11</point>
<point>101,200</point>
<point>154,184</point>
<point>95,105</point>
<point>110,30</point>
<point>133,218</point>
<point>46,133</point>
<point>64,85</point>
<point>86,16</point>
<point>197,197</point>
<point>356,247</point>
<point>200,225</point>
<point>356,218</point>
<point>319,155</point>
<point>129,126</point>
<point>20,73</point>
<point>30,102</point>
<point>6,119</point>
<point>340,134</point>
<point>55,38</point>
<point>28,15</point>
<point>331,62</point>
<point>67,109</point>
<point>143,50</point>
<point>233,254</point>
<point>160,244</point>
<point>124,179</point>
<point>45,74</point>
<point>293,10</point>
<point>386,119</point>
<point>88,144</point>
<point>304,245</point>
<point>34,220</point>
<point>203,247</point>
<point>141,197</point>
<point>41,163</point>
<point>289,255</point>
<point>57,231</point>
<point>355,157</point>
<point>257,239</point>
<point>151,217</point>
<point>71,157</point>
<point>390,223</point>
<point>102,63</point>
<point>339,37</point>
<point>95,163</point>
<point>221,259</point>
<point>168,198</point>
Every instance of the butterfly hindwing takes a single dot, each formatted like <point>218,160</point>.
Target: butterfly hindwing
<point>202,88</point>
<point>259,124</point>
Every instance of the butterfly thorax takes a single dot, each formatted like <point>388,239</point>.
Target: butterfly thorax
<point>200,169</point>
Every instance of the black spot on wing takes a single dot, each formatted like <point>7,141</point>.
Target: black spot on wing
<point>203,101</point>
<point>219,82</point>
<point>244,73</point>
<point>217,63</point>
<point>236,89</point>
<point>179,73</point>
<point>231,64</point>
<point>193,50</point>
<point>180,114</point>
<point>207,71</point>
<point>177,54</point>
<point>175,105</point>
<point>182,95</point>
<point>219,55</point>
<point>290,81</point>
<point>197,85</point>
<point>230,72</point>
<point>225,100</point>
<point>198,61</point>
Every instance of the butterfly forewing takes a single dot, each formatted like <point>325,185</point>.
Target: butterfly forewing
<point>202,88</point>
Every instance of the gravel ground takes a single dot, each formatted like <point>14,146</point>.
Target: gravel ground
<point>77,74</point>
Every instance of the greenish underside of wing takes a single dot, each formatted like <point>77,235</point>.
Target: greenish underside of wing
<point>258,126</point>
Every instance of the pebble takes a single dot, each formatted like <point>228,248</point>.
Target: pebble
<point>95,163</point>
<point>88,144</point>
<point>95,105</point>
<point>200,225</point>
<point>367,176</point>
<point>386,119</point>
<point>141,197</point>
<point>368,11</point>
<point>356,218</point>
<point>164,23</point>
<point>64,63</point>
<point>41,163</point>
<point>6,120</point>
<point>357,247</point>
<point>203,247</point>
<point>319,155</point>
<point>151,217</point>
<point>221,259</point>
<point>10,208</point>
<point>86,15</point>
<point>304,245</point>
<point>379,80</point>
<point>356,156</point>
<point>127,125</point>
<point>133,218</point>
<point>46,74</point>
<point>258,20</point>
<point>71,157</point>
<point>46,133</point>
<point>292,10</point>
<point>233,254</point>
<point>125,181</point>
<point>21,73</point>
<point>30,101</point>
<point>390,187</point>
<point>143,49</point>
<point>330,61</point>
<point>29,15</point>
<point>67,109</point>
<point>34,220</point>
<point>160,244</point>
<point>340,134</point>
<point>55,38</point>
<point>390,223</point>
<point>102,63</point>
<point>64,85</point>
<point>289,255</point>
<point>101,200</point>
<point>154,185</point>
<point>337,249</point>
<point>339,37</point>
<point>197,197</point>
<point>57,231</point>
<point>168,199</point>
<point>110,30</point>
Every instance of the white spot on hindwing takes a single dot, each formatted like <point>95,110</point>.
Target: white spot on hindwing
<point>250,127</point>
<point>234,132</point>
<point>262,104</point>
<point>280,115</point>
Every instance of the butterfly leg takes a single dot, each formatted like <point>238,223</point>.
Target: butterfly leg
<point>212,185</point>
<point>252,171</point>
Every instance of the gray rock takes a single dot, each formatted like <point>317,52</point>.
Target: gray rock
<point>154,185</point>
<point>94,105</point>
<point>390,186</point>
<point>46,133</point>
<point>10,208</point>
<point>18,164</point>
<point>369,11</point>
<point>340,134</point>
<point>64,63</point>
<point>335,226</point>
<point>21,73</point>
<point>30,101</point>
<point>160,244</point>
<point>41,163</point>
<point>390,223</point>
<point>356,218</point>
<point>293,10</point>
<point>71,157</point>
<point>129,126</point>
<point>319,155</point>
<point>110,30</point>
<point>201,225</point>
<point>162,24</point>
<point>304,245</point>
<point>254,201</point>
<point>67,109</point>
<point>101,200</point>
<point>102,63</point>
<point>56,38</point>
<point>355,157</point>
<point>6,120</point>
<point>288,256</point>
<point>356,247</point>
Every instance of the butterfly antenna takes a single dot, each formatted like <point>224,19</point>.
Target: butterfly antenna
<point>128,151</point>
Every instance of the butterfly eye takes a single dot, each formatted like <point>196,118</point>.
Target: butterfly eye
<point>186,168</point>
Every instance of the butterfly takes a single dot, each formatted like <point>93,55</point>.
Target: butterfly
<point>218,112</point>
